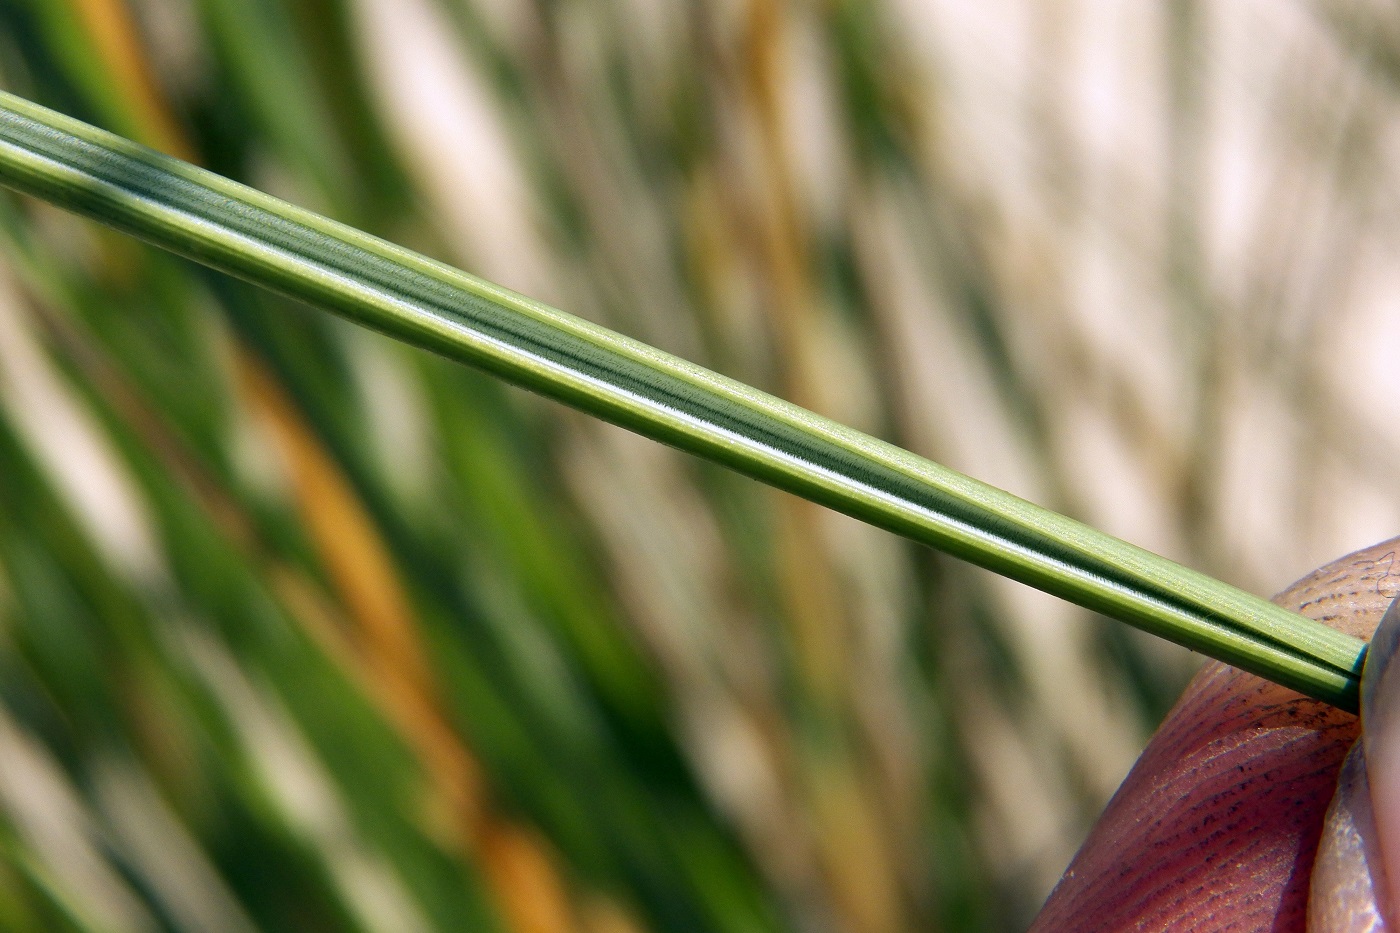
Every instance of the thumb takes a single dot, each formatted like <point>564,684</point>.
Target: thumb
<point>1351,889</point>
<point>1218,823</point>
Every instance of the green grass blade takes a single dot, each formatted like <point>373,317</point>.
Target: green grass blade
<point>256,237</point>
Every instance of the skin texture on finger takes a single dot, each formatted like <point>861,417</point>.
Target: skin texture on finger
<point>1217,825</point>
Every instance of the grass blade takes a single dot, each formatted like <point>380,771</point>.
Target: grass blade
<point>243,232</point>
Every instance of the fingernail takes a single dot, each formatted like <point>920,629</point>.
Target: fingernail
<point>1348,879</point>
<point>1380,721</point>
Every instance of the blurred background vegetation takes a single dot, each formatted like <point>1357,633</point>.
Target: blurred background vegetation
<point>301,629</point>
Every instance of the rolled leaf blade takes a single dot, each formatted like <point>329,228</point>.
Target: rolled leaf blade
<point>238,230</point>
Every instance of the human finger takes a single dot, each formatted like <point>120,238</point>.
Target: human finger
<point>1217,825</point>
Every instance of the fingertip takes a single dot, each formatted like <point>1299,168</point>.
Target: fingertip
<point>1380,718</point>
<point>1217,826</point>
<point>1349,884</point>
